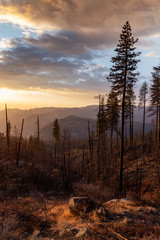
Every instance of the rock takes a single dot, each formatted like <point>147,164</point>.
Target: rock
<point>103,212</point>
<point>125,200</point>
<point>113,201</point>
<point>152,210</point>
<point>82,204</point>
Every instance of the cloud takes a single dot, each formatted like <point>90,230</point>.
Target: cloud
<point>6,43</point>
<point>53,61</point>
<point>99,22</point>
<point>71,34</point>
<point>32,12</point>
<point>91,16</point>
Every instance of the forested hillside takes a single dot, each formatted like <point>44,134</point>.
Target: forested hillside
<point>48,115</point>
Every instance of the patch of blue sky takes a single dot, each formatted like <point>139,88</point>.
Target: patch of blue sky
<point>103,57</point>
<point>149,57</point>
<point>11,31</point>
<point>145,66</point>
<point>153,40</point>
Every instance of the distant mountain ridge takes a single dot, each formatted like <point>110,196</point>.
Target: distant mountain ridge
<point>46,116</point>
<point>74,119</point>
<point>76,125</point>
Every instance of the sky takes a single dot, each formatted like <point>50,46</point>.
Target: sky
<point>56,53</point>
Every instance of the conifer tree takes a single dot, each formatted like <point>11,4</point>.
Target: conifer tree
<point>155,100</point>
<point>122,75</point>
<point>56,134</point>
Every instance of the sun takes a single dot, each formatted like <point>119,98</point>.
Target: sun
<point>13,98</point>
<point>6,94</point>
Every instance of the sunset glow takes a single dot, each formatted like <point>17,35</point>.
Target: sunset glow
<point>57,53</point>
<point>31,99</point>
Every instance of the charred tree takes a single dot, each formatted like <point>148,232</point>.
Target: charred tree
<point>19,144</point>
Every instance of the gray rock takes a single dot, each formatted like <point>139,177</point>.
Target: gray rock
<point>82,204</point>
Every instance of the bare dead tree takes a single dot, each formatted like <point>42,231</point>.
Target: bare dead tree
<point>19,145</point>
<point>7,130</point>
<point>38,133</point>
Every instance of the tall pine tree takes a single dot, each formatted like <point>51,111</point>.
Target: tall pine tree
<point>122,76</point>
<point>155,100</point>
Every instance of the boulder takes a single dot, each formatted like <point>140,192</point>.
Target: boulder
<point>82,204</point>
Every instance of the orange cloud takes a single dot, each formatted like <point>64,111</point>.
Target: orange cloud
<point>88,16</point>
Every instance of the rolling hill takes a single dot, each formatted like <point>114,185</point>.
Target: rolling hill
<point>74,119</point>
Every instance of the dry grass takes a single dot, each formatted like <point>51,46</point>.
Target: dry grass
<point>98,192</point>
<point>133,220</point>
<point>25,218</point>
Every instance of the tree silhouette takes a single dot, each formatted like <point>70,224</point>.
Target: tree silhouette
<point>155,100</point>
<point>56,134</point>
<point>123,76</point>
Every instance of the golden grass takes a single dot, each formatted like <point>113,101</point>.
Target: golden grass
<point>64,222</point>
